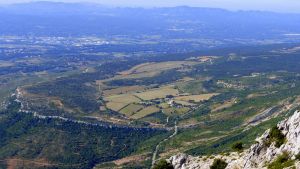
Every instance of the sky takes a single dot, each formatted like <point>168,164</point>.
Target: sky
<point>266,5</point>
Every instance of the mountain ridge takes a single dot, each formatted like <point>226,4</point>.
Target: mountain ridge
<point>99,5</point>
<point>75,19</point>
<point>95,4</point>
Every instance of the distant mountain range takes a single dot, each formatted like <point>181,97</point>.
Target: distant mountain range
<point>76,19</point>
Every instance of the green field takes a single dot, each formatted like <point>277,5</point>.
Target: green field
<point>145,112</point>
<point>131,109</point>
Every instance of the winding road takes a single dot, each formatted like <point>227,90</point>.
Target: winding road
<point>159,144</point>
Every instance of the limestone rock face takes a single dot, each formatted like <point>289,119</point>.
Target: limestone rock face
<point>178,160</point>
<point>184,161</point>
<point>257,156</point>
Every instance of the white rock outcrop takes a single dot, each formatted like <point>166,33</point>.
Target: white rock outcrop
<point>257,156</point>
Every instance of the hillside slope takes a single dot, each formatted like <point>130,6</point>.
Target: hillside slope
<point>28,141</point>
<point>278,147</point>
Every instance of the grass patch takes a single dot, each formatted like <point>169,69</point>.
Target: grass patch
<point>158,93</point>
<point>196,98</point>
<point>123,90</point>
<point>194,87</point>
<point>161,66</point>
<point>282,161</point>
<point>175,111</point>
<point>117,102</point>
<point>145,112</point>
<point>131,109</point>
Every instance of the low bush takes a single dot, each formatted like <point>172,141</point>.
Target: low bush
<point>238,146</point>
<point>277,137</point>
<point>163,164</point>
<point>297,156</point>
<point>218,164</point>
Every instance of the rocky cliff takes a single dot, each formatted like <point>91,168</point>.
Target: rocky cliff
<point>282,142</point>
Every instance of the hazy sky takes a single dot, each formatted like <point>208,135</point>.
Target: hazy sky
<point>270,5</point>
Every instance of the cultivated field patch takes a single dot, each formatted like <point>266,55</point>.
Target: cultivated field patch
<point>161,66</point>
<point>134,69</point>
<point>224,105</point>
<point>184,103</point>
<point>157,93</point>
<point>116,106</point>
<point>117,102</point>
<point>196,98</point>
<point>131,109</point>
<point>123,90</point>
<point>122,98</point>
<point>145,112</point>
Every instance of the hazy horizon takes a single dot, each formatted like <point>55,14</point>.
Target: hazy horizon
<point>290,6</point>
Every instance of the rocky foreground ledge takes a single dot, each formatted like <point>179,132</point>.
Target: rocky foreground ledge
<point>267,152</point>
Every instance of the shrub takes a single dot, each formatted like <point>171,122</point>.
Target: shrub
<point>282,161</point>
<point>267,142</point>
<point>238,146</point>
<point>163,164</point>
<point>218,164</point>
<point>277,137</point>
<point>297,156</point>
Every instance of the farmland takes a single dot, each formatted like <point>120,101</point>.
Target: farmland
<point>196,98</point>
<point>131,109</point>
<point>152,67</point>
<point>211,97</point>
<point>122,90</point>
<point>139,104</point>
<point>145,111</point>
<point>86,86</point>
<point>157,93</point>
<point>117,102</point>
<point>139,101</point>
<point>136,102</point>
